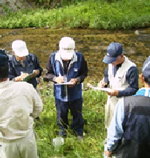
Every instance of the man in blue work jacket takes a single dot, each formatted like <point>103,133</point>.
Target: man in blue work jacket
<point>129,132</point>
<point>22,63</point>
<point>67,65</point>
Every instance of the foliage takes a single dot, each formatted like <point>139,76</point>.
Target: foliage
<point>55,3</point>
<point>110,14</point>
<point>94,132</point>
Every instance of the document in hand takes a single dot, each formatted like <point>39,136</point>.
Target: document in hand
<point>27,78</point>
<point>64,83</point>
<point>98,88</point>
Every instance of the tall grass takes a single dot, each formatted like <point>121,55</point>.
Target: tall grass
<point>94,132</point>
<point>123,14</point>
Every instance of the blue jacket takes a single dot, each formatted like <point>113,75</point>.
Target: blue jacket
<point>136,140</point>
<point>63,92</point>
<point>31,63</point>
<point>130,127</point>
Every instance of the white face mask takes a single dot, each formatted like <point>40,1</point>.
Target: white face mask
<point>66,54</point>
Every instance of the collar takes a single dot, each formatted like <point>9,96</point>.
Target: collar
<point>119,65</point>
<point>16,62</point>
<point>4,83</point>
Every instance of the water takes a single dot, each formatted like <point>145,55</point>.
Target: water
<point>92,43</point>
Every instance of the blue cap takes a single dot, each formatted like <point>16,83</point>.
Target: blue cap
<point>113,51</point>
<point>146,68</point>
<point>3,58</point>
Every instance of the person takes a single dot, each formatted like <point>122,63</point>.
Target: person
<point>122,77</point>
<point>22,63</point>
<point>20,105</point>
<point>128,135</point>
<point>67,65</point>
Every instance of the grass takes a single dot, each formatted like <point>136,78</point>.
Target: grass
<point>94,132</point>
<point>124,14</point>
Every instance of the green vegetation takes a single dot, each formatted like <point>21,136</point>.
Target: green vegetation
<point>94,132</point>
<point>112,14</point>
<point>55,3</point>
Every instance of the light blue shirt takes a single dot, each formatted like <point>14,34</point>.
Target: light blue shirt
<point>115,130</point>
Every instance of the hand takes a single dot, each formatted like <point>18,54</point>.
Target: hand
<point>35,73</point>
<point>21,77</point>
<point>102,84</point>
<point>45,79</point>
<point>108,154</point>
<point>113,92</point>
<point>73,81</point>
<point>59,79</point>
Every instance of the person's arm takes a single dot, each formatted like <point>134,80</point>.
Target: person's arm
<point>50,73</point>
<point>115,130</point>
<point>37,72</point>
<point>83,71</point>
<point>12,73</point>
<point>37,102</point>
<point>106,76</point>
<point>104,82</point>
<point>82,74</point>
<point>132,79</point>
<point>50,76</point>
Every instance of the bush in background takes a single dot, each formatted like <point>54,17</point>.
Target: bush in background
<point>123,14</point>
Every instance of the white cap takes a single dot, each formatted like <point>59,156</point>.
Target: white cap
<point>20,48</point>
<point>66,48</point>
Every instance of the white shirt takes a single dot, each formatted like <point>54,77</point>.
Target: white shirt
<point>19,105</point>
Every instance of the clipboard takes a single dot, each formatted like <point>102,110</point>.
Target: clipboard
<point>28,77</point>
<point>64,83</point>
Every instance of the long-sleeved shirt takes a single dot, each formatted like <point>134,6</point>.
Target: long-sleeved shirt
<point>83,71</point>
<point>19,104</point>
<point>31,63</point>
<point>132,79</point>
<point>115,130</point>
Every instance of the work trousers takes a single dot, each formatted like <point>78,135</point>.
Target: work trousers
<point>20,148</point>
<point>75,108</point>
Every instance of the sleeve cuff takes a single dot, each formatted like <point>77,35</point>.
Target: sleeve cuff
<point>78,80</point>
<point>54,78</point>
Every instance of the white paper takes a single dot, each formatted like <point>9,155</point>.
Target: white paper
<point>98,88</point>
<point>102,89</point>
<point>64,83</point>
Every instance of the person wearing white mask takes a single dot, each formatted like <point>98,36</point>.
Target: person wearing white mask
<point>67,65</point>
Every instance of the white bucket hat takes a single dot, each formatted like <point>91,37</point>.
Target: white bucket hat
<point>66,48</point>
<point>20,48</point>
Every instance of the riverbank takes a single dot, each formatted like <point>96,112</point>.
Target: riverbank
<point>91,42</point>
<point>123,14</point>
